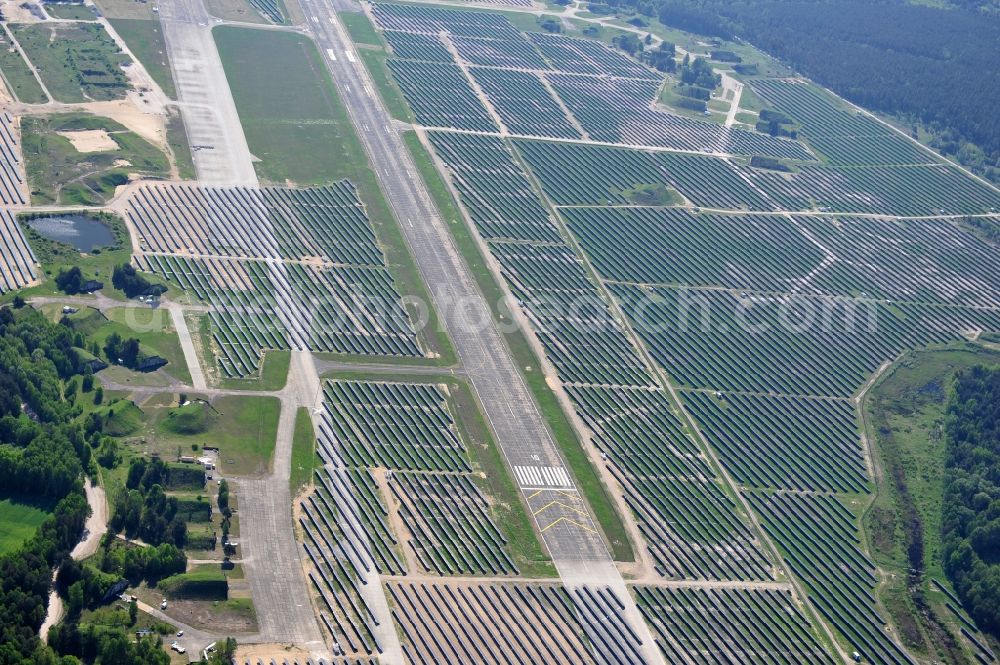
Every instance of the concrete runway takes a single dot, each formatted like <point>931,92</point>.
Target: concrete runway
<point>218,146</point>
<point>568,531</point>
<point>270,554</point>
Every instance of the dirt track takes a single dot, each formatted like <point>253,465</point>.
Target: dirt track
<point>94,530</point>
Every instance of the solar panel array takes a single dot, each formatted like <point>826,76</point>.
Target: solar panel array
<point>281,268</point>
<point>12,182</point>
<point>18,265</point>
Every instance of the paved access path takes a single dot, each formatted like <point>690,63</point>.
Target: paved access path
<point>729,83</point>
<point>187,346</point>
<point>563,518</point>
<point>267,538</point>
<point>218,145</point>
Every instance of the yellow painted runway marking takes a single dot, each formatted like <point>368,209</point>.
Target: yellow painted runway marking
<point>560,503</point>
<point>573,522</point>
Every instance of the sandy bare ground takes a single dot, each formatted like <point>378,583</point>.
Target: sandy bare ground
<point>18,11</point>
<point>97,523</point>
<point>265,652</point>
<point>90,140</point>
<point>94,529</point>
<point>729,83</point>
<point>53,615</point>
<point>150,125</point>
<point>203,615</point>
<point>147,123</point>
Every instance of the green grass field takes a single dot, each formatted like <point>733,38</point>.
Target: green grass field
<point>144,38</point>
<point>126,9</point>
<point>360,28</point>
<point>309,142</point>
<point>242,427</point>
<point>562,430</point>
<point>17,75</point>
<point>59,174</point>
<point>20,518</point>
<point>234,10</point>
<point>78,62</point>
<point>906,411</point>
<point>189,419</point>
<point>121,417</point>
<point>303,452</point>
<point>70,11</point>
<point>312,141</point>
<point>751,101</point>
<point>245,433</point>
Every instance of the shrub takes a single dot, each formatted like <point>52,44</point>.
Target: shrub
<point>200,585</point>
<point>693,104</point>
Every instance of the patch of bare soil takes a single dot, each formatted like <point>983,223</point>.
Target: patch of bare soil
<point>266,652</point>
<point>90,140</point>
<point>19,11</point>
<point>213,616</point>
<point>150,124</point>
<point>396,522</point>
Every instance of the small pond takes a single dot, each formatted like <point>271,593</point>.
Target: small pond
<point>82,232</point>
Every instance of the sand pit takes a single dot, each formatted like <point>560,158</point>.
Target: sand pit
<point>91,140</point>
<point>150,124</point>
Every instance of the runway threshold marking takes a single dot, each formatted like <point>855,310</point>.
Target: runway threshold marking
<point>542,476</point>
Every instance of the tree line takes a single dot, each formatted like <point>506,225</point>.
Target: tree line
<point>970,520</point>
